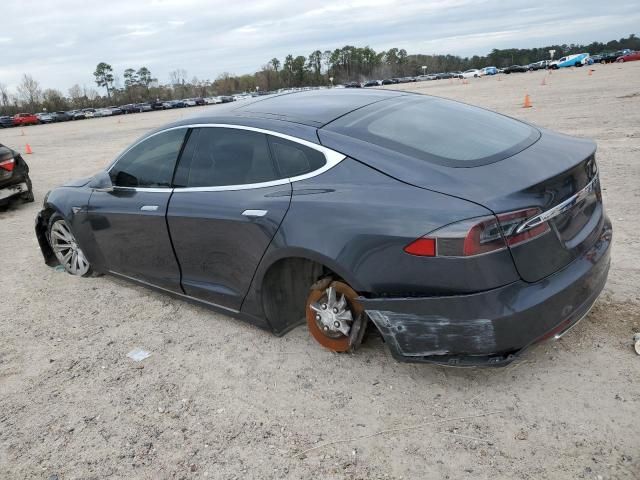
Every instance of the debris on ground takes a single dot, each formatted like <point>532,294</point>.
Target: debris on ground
<point>138,354</point>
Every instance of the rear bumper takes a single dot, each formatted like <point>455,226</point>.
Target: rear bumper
<point>491,328</point>
<point>14,189</point>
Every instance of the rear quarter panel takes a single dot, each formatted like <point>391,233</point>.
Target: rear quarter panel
<point>357,221</point>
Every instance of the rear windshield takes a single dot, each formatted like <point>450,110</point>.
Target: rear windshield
<point>437,130</point>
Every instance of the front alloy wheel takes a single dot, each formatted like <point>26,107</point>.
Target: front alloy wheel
<point>66,249</point>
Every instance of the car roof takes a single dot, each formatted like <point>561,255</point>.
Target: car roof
<point>314,108</point>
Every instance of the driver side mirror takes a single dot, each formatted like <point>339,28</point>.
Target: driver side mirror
<point>102,182</point>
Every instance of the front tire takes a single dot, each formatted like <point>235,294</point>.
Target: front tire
<point>66,248</point>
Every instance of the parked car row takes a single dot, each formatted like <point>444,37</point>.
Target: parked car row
<point>23,119</point>
<point>576,60</point>
<point>620,56</point>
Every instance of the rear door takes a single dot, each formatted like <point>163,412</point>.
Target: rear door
<point>128,223</point>
<point>228,202</point>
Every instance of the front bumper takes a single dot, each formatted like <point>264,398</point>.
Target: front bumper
<point>492,327</point>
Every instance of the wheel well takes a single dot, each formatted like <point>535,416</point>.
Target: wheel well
<point>42,225</point>
<point>285,288</point>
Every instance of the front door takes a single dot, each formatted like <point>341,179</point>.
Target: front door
<point>129,223</point>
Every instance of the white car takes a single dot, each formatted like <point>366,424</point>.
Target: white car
<point>189,102</point>
<point>103,112</point>
<point>473,73</point>
<point>212,100</point>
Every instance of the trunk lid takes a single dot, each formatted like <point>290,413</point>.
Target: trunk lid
<point>556,174</point>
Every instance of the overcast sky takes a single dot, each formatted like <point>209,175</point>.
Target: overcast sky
<point>59,42</point>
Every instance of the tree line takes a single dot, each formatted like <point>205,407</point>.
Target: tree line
<point>326,67</point>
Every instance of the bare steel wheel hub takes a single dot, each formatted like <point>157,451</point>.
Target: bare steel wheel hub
<point>66,249</point>
<point>331,312</point>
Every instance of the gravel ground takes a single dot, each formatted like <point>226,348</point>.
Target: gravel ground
<point>220,399</point>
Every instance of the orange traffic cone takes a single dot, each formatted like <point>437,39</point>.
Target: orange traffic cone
<point>28,150</point>
<point>590,72</point>
<point>527,101</point>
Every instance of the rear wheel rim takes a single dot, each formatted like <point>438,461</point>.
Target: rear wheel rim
<point>66,249</point>
<point>331,312</point>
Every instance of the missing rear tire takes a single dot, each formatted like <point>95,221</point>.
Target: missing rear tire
<point>335,318</point>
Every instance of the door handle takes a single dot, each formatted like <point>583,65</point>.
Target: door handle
<point>254,213</point>
<point>149,208</point>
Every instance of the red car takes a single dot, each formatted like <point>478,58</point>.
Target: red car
<point>629,57</point>
<point>20,119</point>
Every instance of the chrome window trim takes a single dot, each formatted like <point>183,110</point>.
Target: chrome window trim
<point>145,189</point>
<point>231,188</point>
<point>331,156</point>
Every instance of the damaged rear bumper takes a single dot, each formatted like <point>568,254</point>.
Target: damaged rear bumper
<point>15,189</point>
<point>491,328</point>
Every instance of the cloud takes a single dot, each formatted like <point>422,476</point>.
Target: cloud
<point>61,42</point>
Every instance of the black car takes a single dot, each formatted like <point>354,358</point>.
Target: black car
<point>130,108</point>
<point>610,57</point>
<point>371,83</point>
<point>516,69</point>
<point>352,85</point>
<point>14,177</point>
<point>6,121</point>
<point>157,105</point>
<point>462,235</point>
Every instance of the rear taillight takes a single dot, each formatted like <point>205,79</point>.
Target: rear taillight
<point>477,236</point>
<point>8,164</point>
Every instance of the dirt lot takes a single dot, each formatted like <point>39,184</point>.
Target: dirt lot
<point>221,399</point>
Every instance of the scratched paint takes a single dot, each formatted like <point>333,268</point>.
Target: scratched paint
<point>429,335</point>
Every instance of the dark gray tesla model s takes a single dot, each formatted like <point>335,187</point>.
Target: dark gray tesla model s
<point>462,235</point>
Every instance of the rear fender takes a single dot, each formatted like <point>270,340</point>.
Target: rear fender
<point>359,233</point>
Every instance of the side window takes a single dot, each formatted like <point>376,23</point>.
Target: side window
<point>293,159</point>
<point>216,157</point>
<point>151,162</point>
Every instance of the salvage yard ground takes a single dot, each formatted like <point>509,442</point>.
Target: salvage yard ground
<point>221,399</point>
